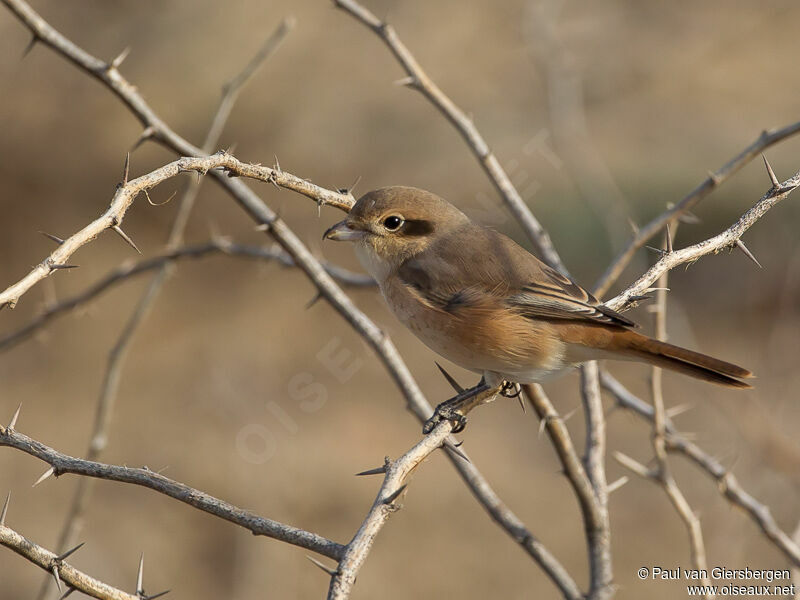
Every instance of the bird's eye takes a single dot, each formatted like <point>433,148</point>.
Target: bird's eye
<point>393,222</point>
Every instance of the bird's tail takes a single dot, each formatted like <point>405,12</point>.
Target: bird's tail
<point>675,358</point>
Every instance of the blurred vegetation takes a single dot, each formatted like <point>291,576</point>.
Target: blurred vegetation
<point>670,90</point>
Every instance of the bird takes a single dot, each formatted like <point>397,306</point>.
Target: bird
<point>480,300</point>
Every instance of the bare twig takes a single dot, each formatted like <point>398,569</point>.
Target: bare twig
<point>116,358</point>
<point>726,481</point>
<point>601,574</point>
<point>157,130</point>
<point>708,185</point>
<point>595,517</point>
<point>62,463</point>
<point>56,566</point>
<point>355,553</point>
<point>662,473</point>
<point>419,80</point>
<point>726,239</point>
<point>125,195</point>
<point>131,269</point>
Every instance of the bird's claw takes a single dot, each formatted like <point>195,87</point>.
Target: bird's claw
<point>445,413</point>
<point>510,390</point>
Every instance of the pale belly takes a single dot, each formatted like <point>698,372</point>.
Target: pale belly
<point>462,343</point>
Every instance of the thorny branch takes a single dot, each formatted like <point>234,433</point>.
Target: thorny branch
<point>355,553</point>
<point>61,464</point>
<point>602,575</point>
<point>116,357</point>
<point>661,473</point>
<point>60,570</point>
<point>728,485</point>
<point>127,191</point>
<point>708,185</point>
<point>595,521</point>
<point>157,130</point>
<point>417,79</point>
<point>129,269</point>
<point>729,238</point>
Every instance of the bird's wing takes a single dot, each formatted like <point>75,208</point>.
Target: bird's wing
<point>475,264</point>
<point>558,297</point>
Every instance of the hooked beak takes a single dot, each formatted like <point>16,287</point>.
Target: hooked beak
<point>342,232</point>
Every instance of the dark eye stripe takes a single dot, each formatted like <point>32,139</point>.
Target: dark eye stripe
<point>416,227</point>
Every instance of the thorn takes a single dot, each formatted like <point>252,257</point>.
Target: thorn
<point>450,379</point>
<point>375,471</point>
<point>639,298</point>
<point>521,403</point>
<point>569,415</point>
<point>776,185</point>
<point>715,179</point>
<point>658,251</point>
<point>126,168</point>
<point>353,185</point>
<point>277,166</point>
<point>50,236</point>
<point>158,595</point>
<point>679,409</point>
<point>668,240</point>
<point>747,253</point>
<point>120,58</point>
<point>656,289</point>
<point>139,573</point>
<point>67,593</point>
<point>64,555</point>
<point>56,266</point>
<point>634,227</point>
<point>633,465</point>
<point>125,237</point>
<point>13,422</point>
<point>542,425</point>
<point>314,300</point>
<point>407,82</point>
<point>56,577</point>
<point>325,568</point>
<point>160,203</point>
<point>262,227</point>
<point>44,476</point>
<point>455,450</point>
<point>5,510</point>
<point>614,486</point>
<point>148,133</point>
<point>393,496</point>
<point>29,47</point>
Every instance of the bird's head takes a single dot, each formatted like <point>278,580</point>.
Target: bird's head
<point>393,224</point>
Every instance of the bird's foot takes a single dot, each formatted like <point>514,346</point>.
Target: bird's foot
<point>456,408</point>
<point>445,412</point>
<point>510,389</point>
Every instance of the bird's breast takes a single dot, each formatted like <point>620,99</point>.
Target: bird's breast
<point>481,335</point>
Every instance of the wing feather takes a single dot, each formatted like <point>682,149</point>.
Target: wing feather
<point>452,274</point>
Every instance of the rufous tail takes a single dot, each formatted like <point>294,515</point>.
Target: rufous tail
<point>675,358</point>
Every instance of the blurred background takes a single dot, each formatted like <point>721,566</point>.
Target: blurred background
<point>600,112</point>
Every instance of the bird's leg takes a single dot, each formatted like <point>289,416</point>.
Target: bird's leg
<point>456,408</point>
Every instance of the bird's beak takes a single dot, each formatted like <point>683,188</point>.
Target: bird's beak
<point>342,232</point>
